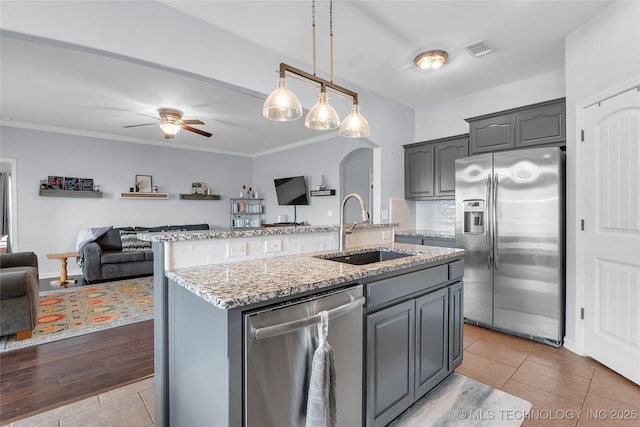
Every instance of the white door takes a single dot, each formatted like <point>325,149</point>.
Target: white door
<point>610,241</point>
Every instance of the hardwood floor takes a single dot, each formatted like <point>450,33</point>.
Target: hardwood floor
<point>35,379</point>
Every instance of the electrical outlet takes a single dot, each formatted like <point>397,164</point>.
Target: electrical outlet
<point>236,249</point>
<point>329,212</point>
<point>273,246</point>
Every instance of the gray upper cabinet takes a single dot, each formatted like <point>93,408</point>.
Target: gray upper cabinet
<point>541,125</point>
<point>418,171</point>
<point>492,134</point>
<point>533,125</point>
<point>429,167</point>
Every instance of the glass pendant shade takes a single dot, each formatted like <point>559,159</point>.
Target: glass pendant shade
<point>322,116</point>
<point>282,105</point>
<point>355,125</point>
<point>170,128</point>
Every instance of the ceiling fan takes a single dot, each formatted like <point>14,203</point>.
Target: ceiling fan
<point>171,122</point>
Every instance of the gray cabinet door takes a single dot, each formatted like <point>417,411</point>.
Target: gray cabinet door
<point>446,154</point>
<point>541,125</point>
<point>418,171</point>
<point>492,134</point>
<point>432,342</point>
<point>390,362</point>
<point>456,325</point>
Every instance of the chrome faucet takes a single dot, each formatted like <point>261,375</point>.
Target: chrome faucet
<point>365,217</point>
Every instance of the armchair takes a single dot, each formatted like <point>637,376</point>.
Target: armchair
<point>19,294</point>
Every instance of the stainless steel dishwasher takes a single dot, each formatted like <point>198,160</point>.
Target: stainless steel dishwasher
<point>278,350</point>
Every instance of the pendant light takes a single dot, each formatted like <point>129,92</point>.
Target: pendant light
<point>282,104</point>
<point>355,125</point>
<point>322,116</point>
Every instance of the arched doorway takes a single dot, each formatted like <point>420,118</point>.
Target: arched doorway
<point>356,176</point>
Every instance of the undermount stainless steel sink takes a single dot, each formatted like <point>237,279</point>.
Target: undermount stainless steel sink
<point>368,257</point>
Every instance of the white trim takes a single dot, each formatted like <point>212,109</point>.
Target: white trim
<point>577,346</point>
<point>14,203</point>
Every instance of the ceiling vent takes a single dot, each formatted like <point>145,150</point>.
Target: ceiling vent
<point>478,49</point>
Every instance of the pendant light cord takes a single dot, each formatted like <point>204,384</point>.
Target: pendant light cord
<point>313,33</point>
<point>331,35</point>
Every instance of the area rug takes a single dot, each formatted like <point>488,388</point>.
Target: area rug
<point>67,313</point>
<point>462,401</point>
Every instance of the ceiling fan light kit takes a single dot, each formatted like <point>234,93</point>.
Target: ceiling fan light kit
<point>171,122</point>
<point>283,105</point>
<point>431,59</point>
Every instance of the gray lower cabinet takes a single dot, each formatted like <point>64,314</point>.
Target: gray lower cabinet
<point>413,338</point>
<point>456,324</point>
<point>531,125</point>
<point>429,167</point>
<point>432,340</point>
<point>390,358</point>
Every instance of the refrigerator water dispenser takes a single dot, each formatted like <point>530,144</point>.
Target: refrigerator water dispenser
<point>473,216</point>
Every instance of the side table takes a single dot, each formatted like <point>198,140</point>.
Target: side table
<point>63,267</point>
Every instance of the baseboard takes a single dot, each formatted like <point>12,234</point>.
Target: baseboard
<point>570,345</point>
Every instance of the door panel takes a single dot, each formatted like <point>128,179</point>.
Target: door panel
<point>528,277</point>
<point>390,362</point>
<point>432,336</point>
<point>611,240</point>
<point>472,177</point>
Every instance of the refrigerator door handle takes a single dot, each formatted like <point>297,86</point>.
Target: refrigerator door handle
<point>488,222</point>
<point>495,222</point>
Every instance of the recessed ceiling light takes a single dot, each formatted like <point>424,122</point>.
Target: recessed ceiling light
<point>431,59</point>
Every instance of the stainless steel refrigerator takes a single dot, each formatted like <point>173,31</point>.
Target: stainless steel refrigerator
<point>510,222</point>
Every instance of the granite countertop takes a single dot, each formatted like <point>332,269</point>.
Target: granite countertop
<point>173,236</point>
<point>427,233</point>
<point>233,285</point>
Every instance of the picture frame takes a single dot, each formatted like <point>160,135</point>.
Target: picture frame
<point>86,184</point>
<point>143,183</point>
<point>71,183</point>
<point>55,182</point>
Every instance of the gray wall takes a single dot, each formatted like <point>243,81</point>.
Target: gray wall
<point>615,30</point>
<point>51,224</point>
<point>313,161</point>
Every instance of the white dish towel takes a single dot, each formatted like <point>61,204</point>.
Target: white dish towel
<point>321,401</point>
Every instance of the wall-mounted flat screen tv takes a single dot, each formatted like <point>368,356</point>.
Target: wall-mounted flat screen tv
<point>292,191</point>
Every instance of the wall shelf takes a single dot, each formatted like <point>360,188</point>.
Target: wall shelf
<point>325,192</point>
<point>71,193</point>
<point>199,197</point>
<point>130,195</point>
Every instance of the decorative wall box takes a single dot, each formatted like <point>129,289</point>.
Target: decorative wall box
<point>71,193</point>
<point>199,197</point>
<point>325,192</point>
<point>144,195</point>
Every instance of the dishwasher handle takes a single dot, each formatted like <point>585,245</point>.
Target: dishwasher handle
<point>294,325</point>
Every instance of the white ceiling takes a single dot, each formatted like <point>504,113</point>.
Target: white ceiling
<point>54,87</point>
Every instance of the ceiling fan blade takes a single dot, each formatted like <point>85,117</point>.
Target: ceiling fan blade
<point>144,124</point>
<point>146,115</point>
<point>198,131</point>
<point>192,122</point>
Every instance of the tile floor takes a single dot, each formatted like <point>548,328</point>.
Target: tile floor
<point>565,389</point>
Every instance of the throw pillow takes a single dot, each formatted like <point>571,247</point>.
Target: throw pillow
<point>131,243</point>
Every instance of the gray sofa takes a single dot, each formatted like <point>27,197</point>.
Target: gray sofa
<point>19,294</point>
<point>118,254</point>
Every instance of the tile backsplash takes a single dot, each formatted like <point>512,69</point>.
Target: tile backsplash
<point>437,215</point>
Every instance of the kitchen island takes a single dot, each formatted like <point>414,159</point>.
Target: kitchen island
<point>200,329</point>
